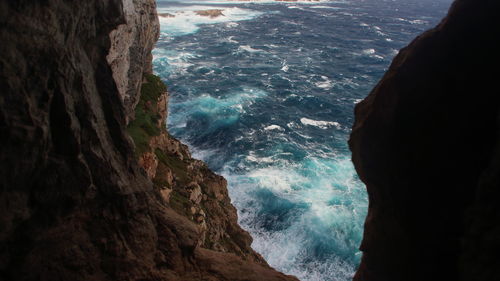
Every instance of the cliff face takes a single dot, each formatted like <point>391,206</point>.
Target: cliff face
<point>130,53</point>
<point>75,203</point>
<point>426,144</point>
<point>185,184</point>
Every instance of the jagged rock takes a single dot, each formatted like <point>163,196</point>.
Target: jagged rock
<point>130,53</point>
<point>149,162</point>
<point>165,193</point>
<point>74,202</point>
<point>196,195</point>
<point>213,13</point>
<point>166,15</point>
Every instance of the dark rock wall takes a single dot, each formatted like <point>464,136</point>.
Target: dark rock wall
<point>74,203</point>
<point>66,176</point>
<point>425,142</point>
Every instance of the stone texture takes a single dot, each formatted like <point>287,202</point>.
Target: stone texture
<point>74,202</point>
<point>130,53</point>
<point>149,162</point>
<point>194,191</point>
<point>425,142</point>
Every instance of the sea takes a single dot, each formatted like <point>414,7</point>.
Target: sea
<point>264,93</point>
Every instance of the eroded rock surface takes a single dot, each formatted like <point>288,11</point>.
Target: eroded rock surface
<point>74,202</point>
<point>130,53</point>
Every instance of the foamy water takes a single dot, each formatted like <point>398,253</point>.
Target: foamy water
<point>265,95</point>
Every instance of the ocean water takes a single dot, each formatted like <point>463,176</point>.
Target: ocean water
<point>265,95</point>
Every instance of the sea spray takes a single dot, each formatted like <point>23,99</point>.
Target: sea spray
<point>265,95</point>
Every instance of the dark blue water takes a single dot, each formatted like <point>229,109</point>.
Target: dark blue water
<point>265,95</point>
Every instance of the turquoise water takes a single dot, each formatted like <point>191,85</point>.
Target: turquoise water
<point>265,95</point>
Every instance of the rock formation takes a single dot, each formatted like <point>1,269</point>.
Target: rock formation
<point>75,203</point>
<point>426,144</point>
<point>212,13</point>
<point>130,53</point>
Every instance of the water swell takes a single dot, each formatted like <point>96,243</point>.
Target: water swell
<point>264,94</point>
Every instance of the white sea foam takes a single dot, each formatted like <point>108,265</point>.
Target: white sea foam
<point>276,179</point>
<point>287,3</point>
<point>418,22</point>
<point>289,247</point>
<point>347,14</point>
<point>284,66</point>
<point>264,160</point>
<point>291,22</point>
<point>248,48</point>
<point>325,84</point>
<point>271,1</point>
<point>271,46</point>
<point>230,39</point>
<point>232,24</point>
<point>185,20</point>
<point>325,7</point>
<point>176,62</point>
<point>315,189</point>
<point>225,109</point>
<point>319,124</point>
<point>273,127</point>
<point>369,51</point>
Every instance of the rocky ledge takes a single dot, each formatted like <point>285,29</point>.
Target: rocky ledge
<point>214,13</point>
<point>426,144</point>
<point>187,185</point>
<point>92,186</point>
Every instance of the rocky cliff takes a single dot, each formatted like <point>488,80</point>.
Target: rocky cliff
<point>130,53</point>
<point>92,185</point>
<point>426,144</point>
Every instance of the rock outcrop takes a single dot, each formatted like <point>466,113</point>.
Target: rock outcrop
<point>426,144</point>
<point>187,185</point>
<point>130,53</point>
<point>75,203</point>
<point>213,13</point>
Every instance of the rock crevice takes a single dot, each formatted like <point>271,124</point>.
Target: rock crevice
<point>92,187</point>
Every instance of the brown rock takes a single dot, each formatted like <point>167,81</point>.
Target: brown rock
<point>149,162</point>
<point>196,195</point>
<point>228,267</point>
<point>214,13</point>
<point>74,202</point>
<point>166,15</point>
<point>165,193</point>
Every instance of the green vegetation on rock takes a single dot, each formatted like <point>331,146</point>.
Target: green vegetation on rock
<point>180,203</point>
<point>145,124</point>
